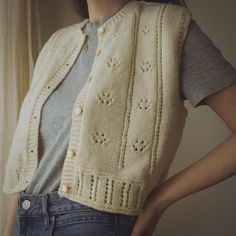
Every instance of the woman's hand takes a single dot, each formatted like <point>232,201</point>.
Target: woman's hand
<point>216,166</point>
<point>150,215</point>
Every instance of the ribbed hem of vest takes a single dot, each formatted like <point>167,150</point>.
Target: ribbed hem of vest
<point>107,193</point>
<point>14,182</point>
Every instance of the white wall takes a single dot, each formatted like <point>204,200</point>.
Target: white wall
<point>211,212</point>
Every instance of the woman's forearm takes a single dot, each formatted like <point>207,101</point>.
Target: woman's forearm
<point>216,166</point>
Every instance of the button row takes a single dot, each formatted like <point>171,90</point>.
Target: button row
<point>78,111</point>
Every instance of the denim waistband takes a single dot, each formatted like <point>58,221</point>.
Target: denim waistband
<point>41,204</point>
<point>50,211</point>
<point>52,203</point>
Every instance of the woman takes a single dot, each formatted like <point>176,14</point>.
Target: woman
<point>40,209</point>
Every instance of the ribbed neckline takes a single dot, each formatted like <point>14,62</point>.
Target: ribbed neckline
<point>96,23</point>
<point>92,26</point>
<point>129,6</point>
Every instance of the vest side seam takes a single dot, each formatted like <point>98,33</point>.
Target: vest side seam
<point>159,107</point>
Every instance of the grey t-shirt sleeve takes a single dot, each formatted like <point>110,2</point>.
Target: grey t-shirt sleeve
<point>203,70</point>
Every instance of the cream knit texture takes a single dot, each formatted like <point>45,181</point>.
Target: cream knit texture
<point>128,119</point>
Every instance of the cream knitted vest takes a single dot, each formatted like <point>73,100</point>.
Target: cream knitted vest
<point>128,119</point>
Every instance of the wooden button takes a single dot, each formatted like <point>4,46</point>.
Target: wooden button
<point>98,52</point>
<point>89,78</point>
<point>78,111</point>
<point>65,188</point>
<point>71,153</point>
<point>101,30</point>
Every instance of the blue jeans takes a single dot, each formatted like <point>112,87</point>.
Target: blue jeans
<point>50,214</point>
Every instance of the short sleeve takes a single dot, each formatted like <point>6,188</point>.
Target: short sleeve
<point>203,70</point>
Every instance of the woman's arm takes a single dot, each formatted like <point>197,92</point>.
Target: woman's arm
<point>11,214</point>
<point>216,166</point>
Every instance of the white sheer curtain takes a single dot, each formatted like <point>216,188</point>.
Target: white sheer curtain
<point>20,43</point>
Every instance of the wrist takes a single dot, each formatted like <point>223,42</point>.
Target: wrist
<point>161,199</point>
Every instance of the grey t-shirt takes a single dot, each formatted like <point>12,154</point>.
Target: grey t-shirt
<point>204,71</point>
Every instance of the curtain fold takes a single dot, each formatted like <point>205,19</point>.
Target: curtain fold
<point>20,44</point>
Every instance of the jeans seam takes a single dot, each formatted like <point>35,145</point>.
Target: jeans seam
<point>28,230</point>
<point>115,226</point>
